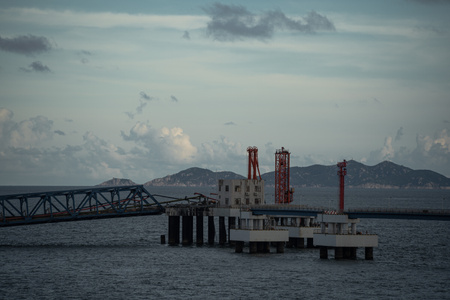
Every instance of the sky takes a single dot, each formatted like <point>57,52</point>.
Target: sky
<point>91,90</point>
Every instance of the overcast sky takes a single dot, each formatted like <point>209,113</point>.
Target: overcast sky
<point>92,90</point>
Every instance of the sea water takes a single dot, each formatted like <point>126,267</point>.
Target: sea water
<point>123,259</point>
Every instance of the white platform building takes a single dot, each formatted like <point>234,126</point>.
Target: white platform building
<point>339,232</point>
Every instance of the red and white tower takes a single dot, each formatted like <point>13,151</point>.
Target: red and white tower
<point>283,193</point>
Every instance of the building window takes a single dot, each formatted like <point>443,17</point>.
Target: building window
<point>237,201</point>
<point>257,188</point>
<point>248,189</point>
<point>257,200</point>
<point>247,201</point>
<point>237,188</point>
<point>226,201</point>
<point>220,188</point>
<point>227,188</point>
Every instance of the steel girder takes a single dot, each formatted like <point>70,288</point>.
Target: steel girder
<point>80,204</point>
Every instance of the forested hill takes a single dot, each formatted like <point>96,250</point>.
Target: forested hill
<point>383,175</point>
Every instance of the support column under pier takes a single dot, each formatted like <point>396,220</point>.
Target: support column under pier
<point>199,227</point>
<point>211,230</point>
<point>222,231</point>
<point>231,225</point>
<point>253,247</point>
<point>174,230</point>
<point>300,243</point>
<point>324,252</point>
<point>239,246</point>
<point>280,247</point>
<point>338,253</point>
<point>369,253</point>
<point>188,222</point>
<point>310,243</point>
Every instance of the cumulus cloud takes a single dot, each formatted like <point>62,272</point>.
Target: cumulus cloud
<point>27,157</point>
<point>25,44</point>
<point>169,144</point>
<point>431,152</point>
<point>235,22</point>
<point>399,134</point>
<point>37,66</point>
<point>25,133</point>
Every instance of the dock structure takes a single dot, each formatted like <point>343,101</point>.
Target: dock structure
<point>235,204</point>
<point>338,232</point>
<point>259,233</point>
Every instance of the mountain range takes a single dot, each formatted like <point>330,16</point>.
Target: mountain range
<point>383,175</point>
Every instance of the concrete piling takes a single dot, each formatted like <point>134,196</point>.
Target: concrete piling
<point>187,233</point>
<point>324,252</point>
<point>222,231</point>
<point>174,230</point>
<point>211,230</point>
<point>369,253</point>
<point>199,231</point>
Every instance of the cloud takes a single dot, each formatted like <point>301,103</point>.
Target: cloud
<point>432,152</point>
<point>145,96</point>
<point>37,66</point>
<point>173,98</point>
<point>59,132</point>
<point>24,133</point>
<point>231,123</point>
<point>25,44</point>
<point>186,35</point>
<point>399,134</point>
<point>235,22</point>
<point>430,2</point>
<point>143,99</point>
<point>167,144</point>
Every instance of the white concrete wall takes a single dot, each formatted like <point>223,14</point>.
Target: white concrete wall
<point>236,192</point>
<point>346,240</point>
<point>259,235</point>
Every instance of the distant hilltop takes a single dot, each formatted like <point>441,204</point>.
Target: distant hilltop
<point>117,182</point>
<point>382,175</point>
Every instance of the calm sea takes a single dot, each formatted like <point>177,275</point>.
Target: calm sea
<point>123,258</point>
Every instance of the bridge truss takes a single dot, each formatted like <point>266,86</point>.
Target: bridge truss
<point>82,204</point>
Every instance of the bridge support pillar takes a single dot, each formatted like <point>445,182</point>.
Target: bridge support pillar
<point>309,243</point>
<point>188,222</point>
<point>300,243</point>
<point>199,226</point>
<point>353,252</point>
<point>222,231</point>
<point>369,253</point>
<point>211,230</point>
<point>323,252</point>
<point>174,230</point>
<point>338,253</point>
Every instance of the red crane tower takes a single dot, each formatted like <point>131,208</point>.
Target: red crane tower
<point>283,194</point>
<point>253,163</point>
<point>342,172</point>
